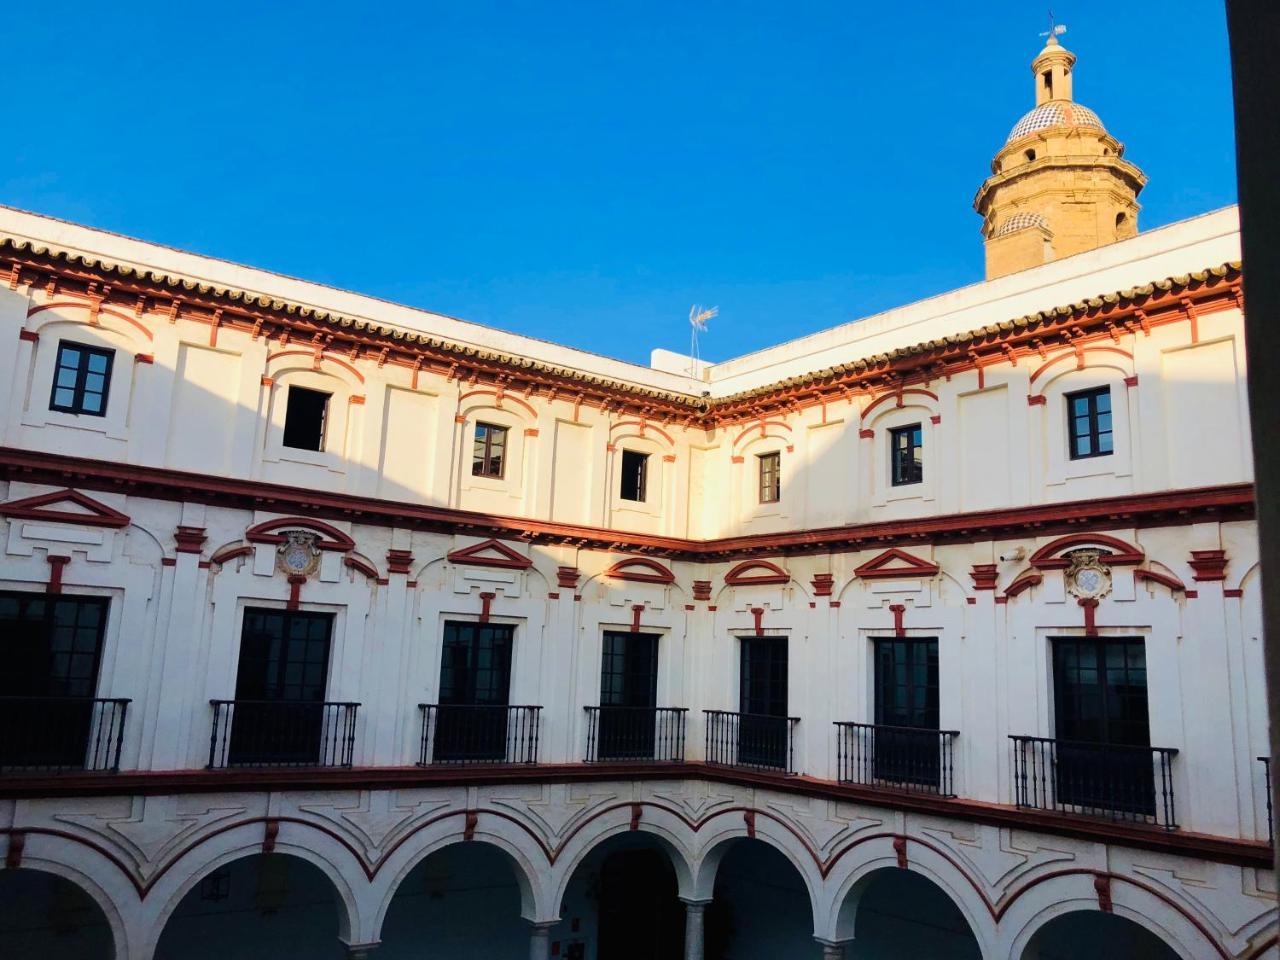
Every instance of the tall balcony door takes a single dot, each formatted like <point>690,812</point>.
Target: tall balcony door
<point>628,696</point>
<point>763,730</point>
<point>1102,729</point>
<point>280,687</point>
<point>906,747</point>
<point>51,649</point>
<point>475,686</point>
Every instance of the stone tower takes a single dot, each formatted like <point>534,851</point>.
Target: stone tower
<point>1060,184</point>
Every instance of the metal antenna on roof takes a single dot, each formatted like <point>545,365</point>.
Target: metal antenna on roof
<point>698,318</point>
<point>1055,29</point>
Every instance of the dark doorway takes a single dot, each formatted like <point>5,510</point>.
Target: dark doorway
<point>475,684</point>
<point>906,717</point>
<point>1104,759</point>
<point>51,646</point>
<point>280,686</point>
<point>641,917</point>
<point>628,695</point>
<point>764,733</point>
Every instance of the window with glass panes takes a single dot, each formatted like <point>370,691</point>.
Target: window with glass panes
<point>488,454</point>
<point>1100,690</point>
<point>906,455</point>
<point>764,676</point>
<point>81,379</point>
<point>629,670</point>
<point>1089,423</point>
<point>284,655</point>
<point>475,664</point>
<point>770,466</point>
<point>907,682</point>
<point>51,645</point>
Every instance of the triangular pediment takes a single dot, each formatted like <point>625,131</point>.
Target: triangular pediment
<point>65,506</point>
<point>896,563</point>
<point>490,553</point>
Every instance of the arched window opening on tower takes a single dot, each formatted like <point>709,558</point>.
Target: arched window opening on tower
<point>1046,79</point>
<point>1030,155</point>
<point>1121,219</point>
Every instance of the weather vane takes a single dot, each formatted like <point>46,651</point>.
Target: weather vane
<point>1055,29</point>
<point>698,318</point>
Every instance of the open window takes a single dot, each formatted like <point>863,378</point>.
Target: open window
<point>304,419</point>
<point>635,475</point>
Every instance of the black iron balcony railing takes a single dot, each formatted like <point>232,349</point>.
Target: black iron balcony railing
<point>282,733</point>
<point>635,733</point>
<point>1095,779</point>
<point>902,758</point>
<point>1266,777</point>
<point>58,734</point>
<point>751,740</point>
<point>454,733</point>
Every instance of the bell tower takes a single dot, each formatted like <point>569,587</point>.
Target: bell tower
<point>1060,184</point>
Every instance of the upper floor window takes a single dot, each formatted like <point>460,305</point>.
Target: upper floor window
<point>635,475</point>
<point>1089,423</point>
<point>489,452</point>
<point>304,418</point>
<point>81,379</point>
<point>905,455</point>
<point>770,465</point>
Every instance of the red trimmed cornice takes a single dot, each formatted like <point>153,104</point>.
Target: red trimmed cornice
<point>1169,508</point>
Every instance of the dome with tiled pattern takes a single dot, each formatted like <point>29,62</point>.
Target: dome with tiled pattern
<point>1018,221</point>
<point>1055,113</point>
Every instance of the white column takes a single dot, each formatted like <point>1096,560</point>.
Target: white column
<point>540,940</point>
<point>693,924</point>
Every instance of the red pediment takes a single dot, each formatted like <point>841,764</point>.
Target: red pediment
<point>640,570</point>
<point>1115,552</point>
<point>272,531</point>
<point>757,573</point>
<point>65,506</point>
<point>896,563</point>
<point>490,553</point>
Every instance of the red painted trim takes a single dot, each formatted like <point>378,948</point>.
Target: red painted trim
<point>94,311</point>
<point>498,399</point>
<point>1165,509</point>
<point>1191,594</point>
<point>1036,400</point>
<point>900,849</point>
<point>1079,358</point>
<point>1131,381</point>
<point>763,426</point>
<point>356,563</point>
<point>331,538</point>
<point>474,556</point>
<point>898,395</point>
<point>317,359</point>
<point>1233,593</point>
<point>878,567</point>
<point>13,854</point>
<point>57,564</point>
<point>630,569</point>
<point>295,591</point>
<point>984,576</point>
<point>399,561</point>
<point>702,589</point>
<point>823,584</point>
<point>144,358</point>
<point>30,336</point>
<point>189,539</point>
<point>486,604</point>
<point>741,575</point>
<point>866,434</point>
<point>1209,565</point>
<point>1023,582</point>
<point>636,611</point>
<point>168,561</point>
<point>757,616</point>
<point>1153,576</point>
<point>1118,552</point>
<point>231,553</point>
<point>567,577</point>
<point>899,612</point>
<point>37,508</point>
<point>1090,607</point>
<point>271,830</point>
<point>645,427</point>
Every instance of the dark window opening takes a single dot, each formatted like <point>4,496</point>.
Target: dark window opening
<point>1120,219</point>
<point>906,455</point>
<point>475,683</point>
<point>1046,78</point>
<point>81,379</point>
<point>1100,715</point>
<point>770,477</point>
<point>906,701</point>
<point>304,418</point>
<point>763,729</point>
<point>279,712</point>
<point>1089,423</point>
<point>489,451</point>
<point>635,475</point>
<point>628,685</point>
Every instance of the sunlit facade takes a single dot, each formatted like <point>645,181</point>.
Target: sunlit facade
<point>336,628</point>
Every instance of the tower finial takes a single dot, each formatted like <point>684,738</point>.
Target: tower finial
<point>1055,30</point>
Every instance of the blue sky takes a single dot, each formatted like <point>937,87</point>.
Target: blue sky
<point>583,172</point>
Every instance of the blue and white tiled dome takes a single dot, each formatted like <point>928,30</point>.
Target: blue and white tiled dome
<point>1055,113</point>
<point>1027,218</point>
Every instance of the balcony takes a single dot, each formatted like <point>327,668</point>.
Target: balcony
<point>457,733</point>
<point>282,733</point>
<point>635,734</point>
<point>1133,784</point>
<point>61,734</point>
<point>751,740</point>
<point>898,758</point>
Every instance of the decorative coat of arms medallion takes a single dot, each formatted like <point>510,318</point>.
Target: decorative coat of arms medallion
<point>298,555</point>
<point>1088,578</point>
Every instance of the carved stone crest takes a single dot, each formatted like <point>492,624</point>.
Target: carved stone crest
<point>1088,577</point>
<point>298,555</point>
